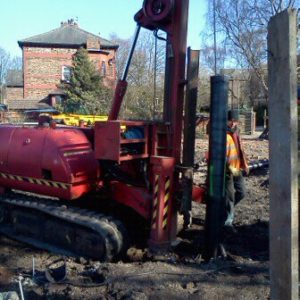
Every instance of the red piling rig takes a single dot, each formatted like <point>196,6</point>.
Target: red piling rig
<point>164,144</point>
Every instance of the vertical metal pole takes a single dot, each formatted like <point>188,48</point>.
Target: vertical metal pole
<point>175,75</point>
<point>189,131</point>
<point>215,208</point>
<point>154,75</point>
<point>169,71</point>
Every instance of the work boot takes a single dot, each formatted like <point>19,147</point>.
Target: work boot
<point>230,229</point>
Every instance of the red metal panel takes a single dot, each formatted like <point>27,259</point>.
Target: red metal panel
<point>25,185</point>
<point>56,162</point>
<point>25,152</point>
<point>135,197</point>
<point>109,143</point>
<point>107,140</point>
<point>198,194</point>
<point>72,151</point>
<point>164,217</point>
<point>161,140</point>
<point>6,133</point>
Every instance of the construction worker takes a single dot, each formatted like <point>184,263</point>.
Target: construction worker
<point>235,164</point>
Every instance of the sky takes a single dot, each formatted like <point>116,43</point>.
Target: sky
<point>22,19</point>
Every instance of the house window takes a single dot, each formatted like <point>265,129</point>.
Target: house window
<point>103,68</point>
<point>111,67</point>
<point>56,99</point>
<point>66,73</point>
<point>96,64</point>
<point>59,99</point>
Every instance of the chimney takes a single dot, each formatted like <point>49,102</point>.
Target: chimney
<point>69,22</point>
<point>93,43</point>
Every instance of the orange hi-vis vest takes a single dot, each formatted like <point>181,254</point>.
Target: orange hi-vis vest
<point>235,156</point>
<point>232,153</point>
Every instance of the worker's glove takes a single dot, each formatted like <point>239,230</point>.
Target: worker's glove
<point>187,219</point>
<point>234,171</point>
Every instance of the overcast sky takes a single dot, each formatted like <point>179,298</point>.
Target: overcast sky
<point>21,19</point>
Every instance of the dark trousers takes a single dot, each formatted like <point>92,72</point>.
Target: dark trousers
<point>235,192</point>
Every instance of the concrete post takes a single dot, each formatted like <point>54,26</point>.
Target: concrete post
<point>282,63</point>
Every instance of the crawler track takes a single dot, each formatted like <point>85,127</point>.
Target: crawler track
<point>68,230</point>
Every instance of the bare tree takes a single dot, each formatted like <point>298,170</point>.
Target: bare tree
<point>16,63</point>
<point>7,63</point>
<point>4,64</point>
<point>242,31</point>
<point>122,52</point>
<point>208,56</point>
<point>204,90</point>
<point>145,78</point>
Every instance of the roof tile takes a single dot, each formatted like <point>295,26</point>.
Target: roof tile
<point>14,78</point>
<point>67,34</point>
<point>26,104</point>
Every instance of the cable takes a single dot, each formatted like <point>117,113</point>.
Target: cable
<point>92,285</point>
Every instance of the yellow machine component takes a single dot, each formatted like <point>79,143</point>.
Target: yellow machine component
<point>76,119</point>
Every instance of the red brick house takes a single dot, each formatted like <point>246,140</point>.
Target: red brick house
<point>47,61</point>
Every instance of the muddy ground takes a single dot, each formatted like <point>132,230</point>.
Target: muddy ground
<point>179,275</point>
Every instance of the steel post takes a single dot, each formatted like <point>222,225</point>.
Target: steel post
<point>189,132</point>
<point>216,167</point>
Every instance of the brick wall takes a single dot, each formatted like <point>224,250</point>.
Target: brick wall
<point>93,43</point>
<point>43,69</point>
<point>107,62</point>
<point>14,93</point>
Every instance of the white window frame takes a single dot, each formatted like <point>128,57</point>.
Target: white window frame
<point>63,75</point>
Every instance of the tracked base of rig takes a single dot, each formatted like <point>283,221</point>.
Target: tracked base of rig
<point>62,229</point>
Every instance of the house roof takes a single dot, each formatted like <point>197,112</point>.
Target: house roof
<point>67,35</point>
<point>26,104</point>
<point>57,92</point>
<point>14,78</point>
